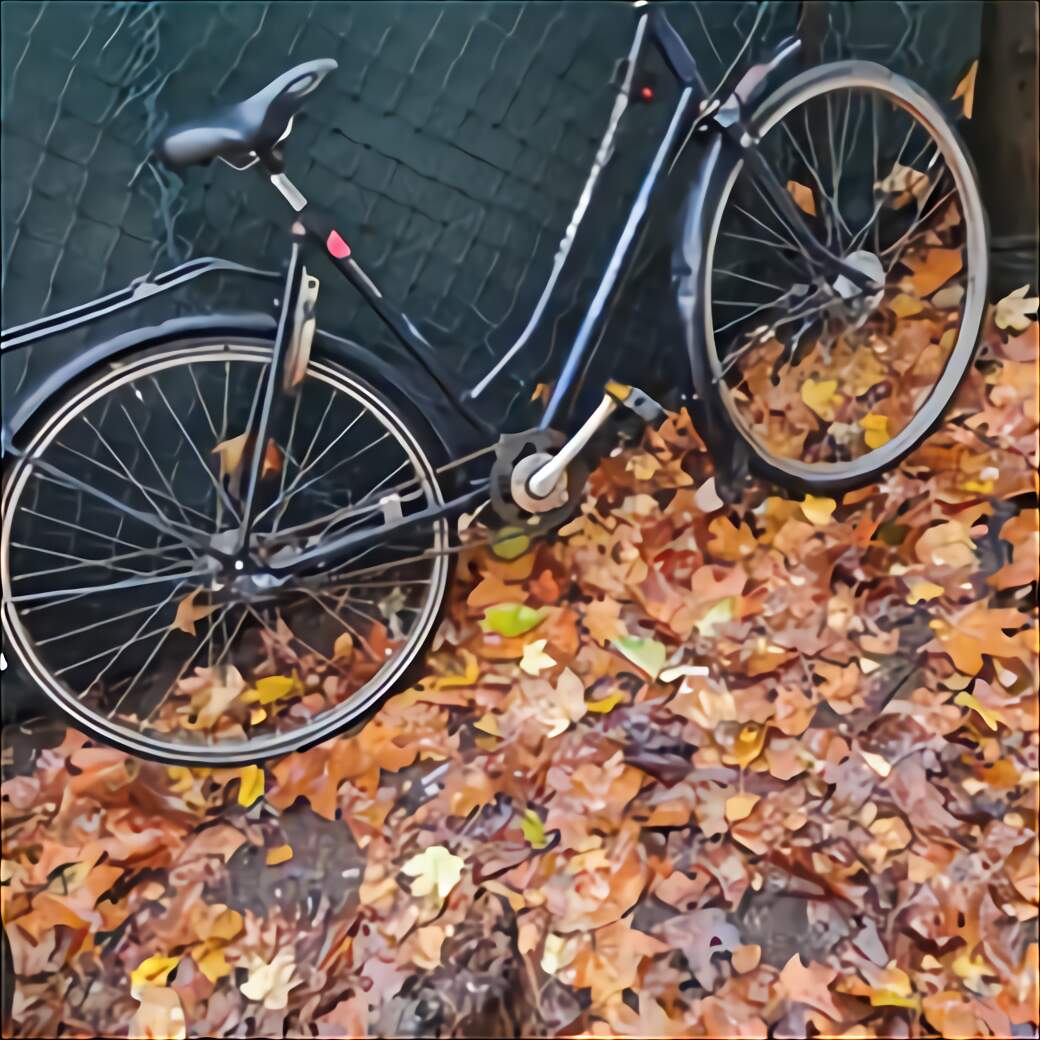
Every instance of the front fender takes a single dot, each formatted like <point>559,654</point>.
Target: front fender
<point>718,162</point>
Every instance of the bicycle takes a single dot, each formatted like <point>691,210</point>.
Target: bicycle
<point>254,519</point>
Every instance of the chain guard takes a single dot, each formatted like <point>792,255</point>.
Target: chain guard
<point>511,448</point>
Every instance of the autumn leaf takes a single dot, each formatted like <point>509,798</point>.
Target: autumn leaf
<point>535,660</point>
<point>279,854</point>
<point>270,689</point>
<point>273,461</point>
<point>159,1015</point>
<point>187,613</point>
<point>602,619</point>
<point>231,452</point>
<point>436,871</point>
<point>821,396</point>
<point>1017,311</point>
<point>647,654</point>
<point>966,90</point>
<point>875,430</point>
<point>932,268</point>
<point>803,197</point>
<point>818,511</point>
<point>512,619</point>
<point>152,971</point>
<point>269,983</point>
<point>533,828</point>
<point>251,785</point>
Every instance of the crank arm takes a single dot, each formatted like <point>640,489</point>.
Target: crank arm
<point>543,481</point>
<point>288,562</point>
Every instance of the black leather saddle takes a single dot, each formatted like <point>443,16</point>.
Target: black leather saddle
<point>251,128</point>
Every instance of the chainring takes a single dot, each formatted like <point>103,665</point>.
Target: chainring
<point>511,448</point>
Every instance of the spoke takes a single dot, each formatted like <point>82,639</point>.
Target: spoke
<point>831,203</point>
<point>158,469</point>
<point>95,624</point>
<point>195,450</point>
<point>160,516</point>
<point>85,561</point>
<point>908,237</point>
<point>93,533</point>
<point>148,661</point>
<point>745,278</point>
<point>744,317</point>
<point>342,462</point>
<point>130,477</point>
<point>120,647</point>
<point>116,586</point>
<point>198,394</point>
<point>350,510</point>
<point>285,461</point>
<point>295,488</point>
<point>368,494</point>
<point>63,479</point>
<point>345,624</point>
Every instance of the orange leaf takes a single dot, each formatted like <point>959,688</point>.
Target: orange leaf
<point>933,269</point>
<point>803,197</point>
<point>966,89</point>
<point>187,613</point>
<point>272,459</point>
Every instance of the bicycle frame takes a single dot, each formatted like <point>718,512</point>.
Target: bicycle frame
<point>721,111</point>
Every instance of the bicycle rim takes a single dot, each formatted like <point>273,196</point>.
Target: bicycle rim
<point>300,662</point>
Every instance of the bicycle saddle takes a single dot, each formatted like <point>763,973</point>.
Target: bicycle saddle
<point>254,126</point>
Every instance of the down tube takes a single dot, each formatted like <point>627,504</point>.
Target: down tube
<point>594,315</point>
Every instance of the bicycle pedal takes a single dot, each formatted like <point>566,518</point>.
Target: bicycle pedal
<point>637,401</point>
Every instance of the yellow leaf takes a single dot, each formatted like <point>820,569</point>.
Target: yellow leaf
<point>818,510</point>
<point>436,871</point>
<point>270,689</point>
<point>231,452</point>
<point>488,723</point>
<point>212,963</point>
<point>920,589</point>
<point>279,854</point>
<point>467,677</point>
<point>152,971</point>
<point>904,306</point>
<point>343,648</point>
<point>803,197</point>
<point>748,745</point>
<point>821,396</point>
<point>966,89</point>
<point>875,430</point>
<point>608,703</point>
<point>718,615</point>
<point>739,806</point>
<point>534,829</point>
<point>251,785</point>
<point>535,659</point>
<point>988,715</point>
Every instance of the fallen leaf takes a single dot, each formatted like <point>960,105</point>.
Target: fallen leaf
<point>1017,311</point>
<point>251,785</point>
<point>535,660</point>
<point>512,619</point>
<point>152,971</point>
<point>803,197</point>
<point>647,654</point>
<point>821,396</point>
<point>231,452</point>
<point>966,90</point>
<point>279,854</point>
<point>187,613</point>
<point>269,983</point>
<point>818,511</point>
<point>436,871</point>
<point>740,806</point>
<point>534,829</point>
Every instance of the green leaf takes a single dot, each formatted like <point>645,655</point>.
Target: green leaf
<point>534,829</point>
<point>511,619</point>
<point>510,542</point>
<point>647,654</point>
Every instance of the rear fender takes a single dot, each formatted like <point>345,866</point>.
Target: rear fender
<point>398,382</point>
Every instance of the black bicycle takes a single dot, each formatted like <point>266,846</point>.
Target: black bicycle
<point>228,540</point>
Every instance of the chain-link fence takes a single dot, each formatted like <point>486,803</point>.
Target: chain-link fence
<point>452,141</point>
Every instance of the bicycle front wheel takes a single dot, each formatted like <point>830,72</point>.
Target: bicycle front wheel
<point>827,385</point>
<point>113,606</point>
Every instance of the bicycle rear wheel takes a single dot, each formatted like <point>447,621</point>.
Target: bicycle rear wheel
<point>829,387</point>
<point>112,606</point>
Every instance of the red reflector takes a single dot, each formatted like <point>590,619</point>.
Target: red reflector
<point>647,93</point>
<point>336,246</point>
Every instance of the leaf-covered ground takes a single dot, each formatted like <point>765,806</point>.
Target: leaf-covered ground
<point>566,829</point>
